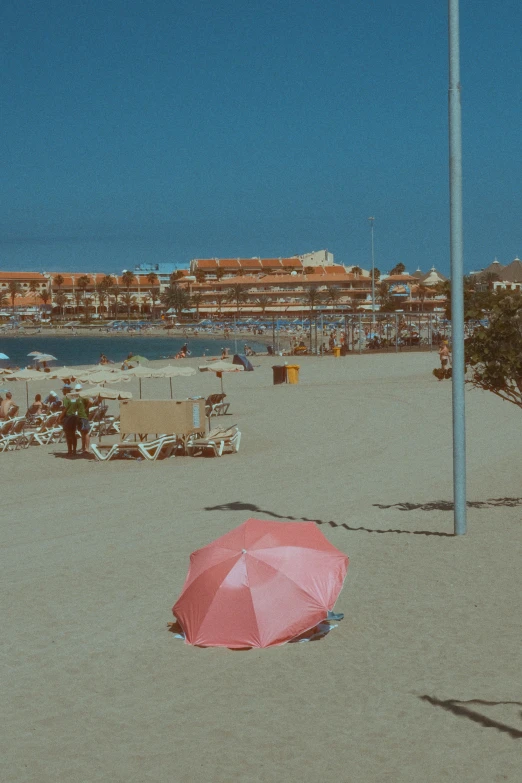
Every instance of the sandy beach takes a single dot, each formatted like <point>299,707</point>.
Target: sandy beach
<point>419,683</point>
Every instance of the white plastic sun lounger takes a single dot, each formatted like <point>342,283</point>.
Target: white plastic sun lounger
<point>217,441</point>
<point>149,450</point>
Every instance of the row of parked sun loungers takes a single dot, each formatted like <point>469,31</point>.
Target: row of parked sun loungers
<point>42,430</point>
<point>218,441</point>
<point>45,429</point>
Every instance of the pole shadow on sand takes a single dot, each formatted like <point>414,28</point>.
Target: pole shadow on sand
<point>238,505</point>
<point>461,709</point>
<point>447,505</point>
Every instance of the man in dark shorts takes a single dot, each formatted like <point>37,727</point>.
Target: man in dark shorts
<point>82,411</point>
<point>69,421</point>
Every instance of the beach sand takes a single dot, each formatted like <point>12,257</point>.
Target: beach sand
<point>421,680</point>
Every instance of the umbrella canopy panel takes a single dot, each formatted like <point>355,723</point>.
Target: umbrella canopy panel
<point>260,585</point>
<point>106,394</point>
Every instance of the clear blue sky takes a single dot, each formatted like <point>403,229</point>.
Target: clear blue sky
<point>166,130</point>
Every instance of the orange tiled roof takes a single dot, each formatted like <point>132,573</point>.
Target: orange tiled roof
<point>271,263</point>
<point>206,263</point>
<point>335,270</point>
<point>293,262</point>
<point>27,276</point>
<point>250,263</point>
<point>399,278</point>
<point>228,263</point>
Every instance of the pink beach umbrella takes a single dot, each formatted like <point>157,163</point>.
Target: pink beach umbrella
<point>260,585</point>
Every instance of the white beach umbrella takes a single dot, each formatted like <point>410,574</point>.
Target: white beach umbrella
<point>25,375</point>
<point>172,371</point>
<point>139,372</point>
<point>44,357</point>
<point>100,376</point>
<point>221,367</point>
<point>106,394</point>
<point>4,356</point>
<point>65,372</point>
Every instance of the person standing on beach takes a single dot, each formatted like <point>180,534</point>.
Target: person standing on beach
<point>84,425</point>
<point>444,356</point>
<point>69,422</point>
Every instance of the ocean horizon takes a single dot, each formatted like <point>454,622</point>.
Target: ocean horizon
<point>78,350</point>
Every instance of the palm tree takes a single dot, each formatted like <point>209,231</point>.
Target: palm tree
<point>332,295</point>
<point>197,301</point>
<point>4,299</point>
<point>45,296</point>
<point>154,292</point>
<point>176,298</point>
<point>313,297</point>
<point>356,270</point>
<point>115,291</point>
<point>383,296</point>
<point>398,269</point>
<point>263,304</point>
<point>83,283</point>
<point>34,287</point>
<point>107,282</point>
<point>78,300</point>
<point>101,295</point>
<point>59,280</point>
<point>155,297</point>
<point>15,289</point>
<point>220,298</point>
<point>236,294</point>
<point>128,301</point>
<point>219,273</point>
<point>422,292</point>
<point>128,278</point>
<point>61,300</point>
<point>87,302</point>
<point>175,276</point>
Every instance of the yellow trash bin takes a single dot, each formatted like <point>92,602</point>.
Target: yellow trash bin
<point>292,373</point>
<point>337,351</point>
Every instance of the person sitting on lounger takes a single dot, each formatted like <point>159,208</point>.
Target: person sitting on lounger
<point>37,407</point>
<point>8,408</point>
<point>52,402</point>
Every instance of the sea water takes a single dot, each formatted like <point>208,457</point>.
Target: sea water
<point>71,351</point>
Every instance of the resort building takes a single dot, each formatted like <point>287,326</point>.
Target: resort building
<point>104,296</point>
<point>497,276</point>
<point>325,289</point>
<point>224,287</point>
<point>25,293</point>
<point>215,268</point>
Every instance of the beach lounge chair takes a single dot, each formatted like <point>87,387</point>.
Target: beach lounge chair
<point>16,438</point>
<point>216,442</point>
<point>149,450</point>
<point>215,405</point>
<point>49,431</point>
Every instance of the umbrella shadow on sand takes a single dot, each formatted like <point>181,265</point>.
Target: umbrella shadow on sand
<point>460,708</point>
<point>238,505</point>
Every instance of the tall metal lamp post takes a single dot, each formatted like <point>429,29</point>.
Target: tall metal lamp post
<point>371,219</point>
<point>457,287</point>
